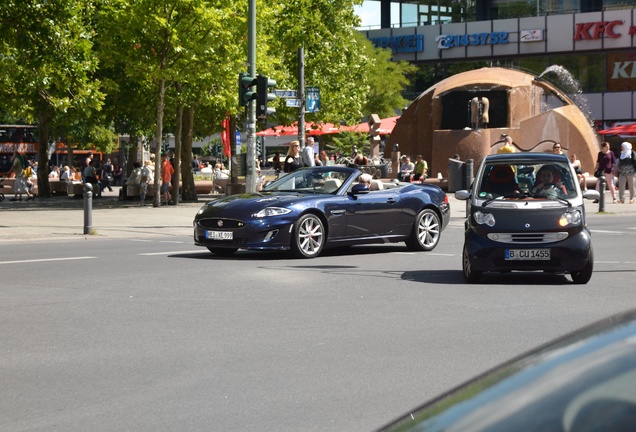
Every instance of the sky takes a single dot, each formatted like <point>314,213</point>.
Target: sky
<point>369,13</point>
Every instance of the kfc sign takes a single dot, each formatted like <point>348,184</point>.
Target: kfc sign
<point>621,71</point>
<point>601,29</point>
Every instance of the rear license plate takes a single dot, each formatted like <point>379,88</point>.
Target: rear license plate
<point>219,235</point>
<point>527,254</point>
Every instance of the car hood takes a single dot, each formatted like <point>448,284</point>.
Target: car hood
<point>247,203</point>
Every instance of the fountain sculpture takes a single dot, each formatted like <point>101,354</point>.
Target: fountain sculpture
<point>467,113</point>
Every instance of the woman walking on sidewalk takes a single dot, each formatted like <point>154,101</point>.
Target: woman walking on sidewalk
<point>20,187</point>
<point>606,161</point>
<point>626,170</point>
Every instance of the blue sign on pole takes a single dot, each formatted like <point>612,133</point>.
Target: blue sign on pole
<point>312,99</point>
<point>238,142</point>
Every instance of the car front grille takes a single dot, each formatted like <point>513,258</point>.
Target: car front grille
<point>221,224</point>
<point>535,237</point>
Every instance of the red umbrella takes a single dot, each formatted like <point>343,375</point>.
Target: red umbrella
<point>626,129</point>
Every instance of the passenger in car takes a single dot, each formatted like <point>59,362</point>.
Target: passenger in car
<point>365,179</point>
<point>548,182</point>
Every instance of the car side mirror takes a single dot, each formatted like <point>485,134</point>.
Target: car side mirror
<point>359,189</point>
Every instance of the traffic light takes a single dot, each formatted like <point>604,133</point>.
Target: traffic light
<point>246,94</point>
<point>263,85</point>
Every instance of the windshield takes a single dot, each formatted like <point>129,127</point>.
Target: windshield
<point>310,181</point>
<point>552,180</point>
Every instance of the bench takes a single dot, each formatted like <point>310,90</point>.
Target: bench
<point>9,183</point>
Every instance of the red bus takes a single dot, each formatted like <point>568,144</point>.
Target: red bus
<point>23,138</point>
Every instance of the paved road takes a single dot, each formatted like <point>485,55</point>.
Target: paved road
<point>148,333</point>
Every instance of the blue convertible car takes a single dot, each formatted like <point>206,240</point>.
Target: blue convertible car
<point>313,208</point>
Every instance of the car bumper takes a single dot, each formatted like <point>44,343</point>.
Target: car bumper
<point>259,235</point>
<point>569,255</point>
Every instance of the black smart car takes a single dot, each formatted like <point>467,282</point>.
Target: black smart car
<point>526,213</point>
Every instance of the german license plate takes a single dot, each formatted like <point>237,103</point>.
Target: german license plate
<point>527,254</point>
<point>219,235</point>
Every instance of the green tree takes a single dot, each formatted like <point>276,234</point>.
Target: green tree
<point>185,50</point>
<point>387,81</point>
<point>48,67</point>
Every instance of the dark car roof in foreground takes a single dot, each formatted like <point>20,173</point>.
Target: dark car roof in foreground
<point>581,376</point>
<point>531,157</point>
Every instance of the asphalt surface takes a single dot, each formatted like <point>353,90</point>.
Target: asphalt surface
<point>62,217</point>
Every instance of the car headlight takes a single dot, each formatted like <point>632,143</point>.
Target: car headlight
<point>484,218</point>
<point>271,211</point>
<point>570,218</point>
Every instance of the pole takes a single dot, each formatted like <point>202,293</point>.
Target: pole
<point>250,178</point>
<point>601,188</point>
<point>468,173</point>
<point>301,96</point>
<point>88,208</point>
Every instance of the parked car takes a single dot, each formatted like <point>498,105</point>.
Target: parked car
<point>525,212</point>
<point>313,208</point>
<point>582,382</point>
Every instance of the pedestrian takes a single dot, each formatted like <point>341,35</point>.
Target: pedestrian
<point>55,172</point>
<point>87,160</point>
<point>626,170</point>
<point>66,174</point>
<point>292,160</point>
<point>166,176</point>
<point>605,166</point>
<point>90,176</point>
<point>118,175</point>
<point>107,175</point>
<point>576,163</point>
<point>406,170</point>
<point>144,179</point>
<point>307,154</point>
<point>17,169</point>
<point>420,171</point>
<point>324,159</point>
<point>276,161</point>
<point>557,149</point>
<point>507,146</point>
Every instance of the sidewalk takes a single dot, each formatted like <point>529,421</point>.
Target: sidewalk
<point>62,217</point>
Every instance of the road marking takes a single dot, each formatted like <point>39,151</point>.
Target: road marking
<point>607,232</point>
<point>170,253</point>
<point>47,259</point>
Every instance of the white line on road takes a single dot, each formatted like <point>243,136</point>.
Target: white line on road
<point>47,259</point>
<point>170,253</point>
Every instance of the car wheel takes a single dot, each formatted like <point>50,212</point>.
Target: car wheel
<point>222,251</point>
<point>308,237</point>
<point>470,274</point>
<point>426,231</point>
<point>584,275</point>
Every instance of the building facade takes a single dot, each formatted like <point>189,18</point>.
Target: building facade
<point>593,42</point>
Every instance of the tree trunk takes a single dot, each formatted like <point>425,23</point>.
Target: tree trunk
<point>177,154</point>
<point>44,190</point>
<point>158,138</point>
<point>187,178</point>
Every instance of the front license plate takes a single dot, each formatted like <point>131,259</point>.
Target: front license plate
<point>219,235</point>
<point>527,254</point>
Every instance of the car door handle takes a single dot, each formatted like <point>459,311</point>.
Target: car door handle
<point>338,212</point>
<point>391,201</point>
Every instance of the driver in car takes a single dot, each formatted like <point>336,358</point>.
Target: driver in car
<point>548,182</point>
